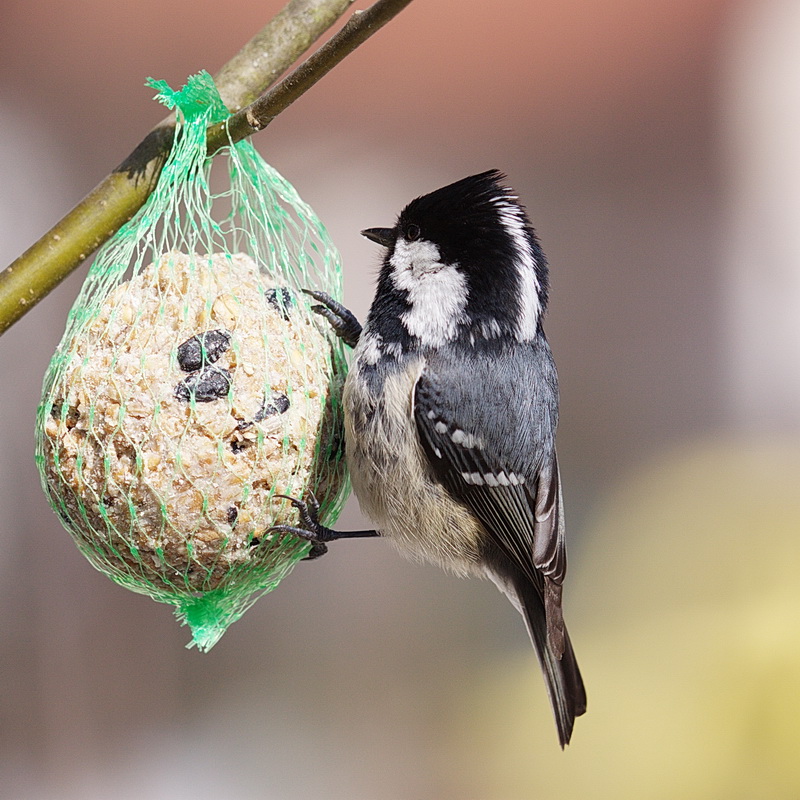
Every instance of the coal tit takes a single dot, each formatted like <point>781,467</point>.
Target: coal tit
<point>451,407</point>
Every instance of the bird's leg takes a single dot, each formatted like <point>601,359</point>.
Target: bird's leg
<point>312,530</point>
<point>343,321</point>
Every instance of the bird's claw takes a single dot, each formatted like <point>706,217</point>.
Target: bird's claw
<point>312,531</point>
<point>317,549</point>
<point>342,320</point>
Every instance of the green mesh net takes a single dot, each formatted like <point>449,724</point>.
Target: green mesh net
<point>194,384</point>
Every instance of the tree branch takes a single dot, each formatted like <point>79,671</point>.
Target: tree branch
<point>357,30</point>
<point>274,49</point>
<point>33,275</point>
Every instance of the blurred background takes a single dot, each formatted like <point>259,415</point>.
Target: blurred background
<point>656,144</point>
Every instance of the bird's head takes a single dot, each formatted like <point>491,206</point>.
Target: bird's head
<point>464,261</point>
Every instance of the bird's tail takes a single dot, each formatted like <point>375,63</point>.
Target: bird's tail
<point>561,674</point>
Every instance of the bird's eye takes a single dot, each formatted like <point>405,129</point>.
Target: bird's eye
<point>412,232</point>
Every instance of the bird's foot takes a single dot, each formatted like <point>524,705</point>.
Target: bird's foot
<point>342,320</point>
<point>312,530</point>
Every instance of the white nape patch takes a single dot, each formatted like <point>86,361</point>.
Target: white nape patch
<point>512,219</point>
<point>437,292</point>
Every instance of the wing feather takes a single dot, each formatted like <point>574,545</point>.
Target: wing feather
<point>510,480</point>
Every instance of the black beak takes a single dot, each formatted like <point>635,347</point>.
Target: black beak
<point>382,236</point>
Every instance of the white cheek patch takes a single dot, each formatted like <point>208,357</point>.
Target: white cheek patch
<point>414,257</point>
<point>437,293</point>
<point>530,306</point>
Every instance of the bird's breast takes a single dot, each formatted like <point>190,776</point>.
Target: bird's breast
<point>391,478</point>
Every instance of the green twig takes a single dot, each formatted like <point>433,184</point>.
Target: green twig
<point>117,198</point>
<point>357,30</point>
<point>274,49</point>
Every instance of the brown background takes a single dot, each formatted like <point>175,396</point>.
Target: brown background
<point>653,143</point>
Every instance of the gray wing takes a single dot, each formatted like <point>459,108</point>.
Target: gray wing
<point>488,433</point>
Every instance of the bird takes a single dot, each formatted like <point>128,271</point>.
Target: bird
<point>451,409</point>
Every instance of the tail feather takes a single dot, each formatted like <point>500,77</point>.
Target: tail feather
<point>561,673</point>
